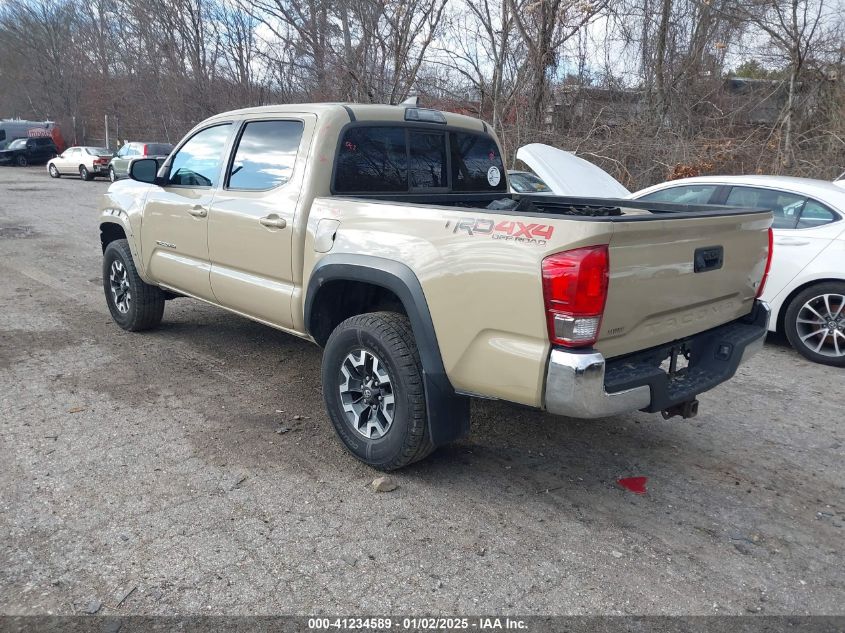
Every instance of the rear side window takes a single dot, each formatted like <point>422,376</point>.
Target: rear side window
<point>266,154</point>
<point>685,194</point>
<point>476,164</point>
<point>785,207</point>
<point>815,214</point>
<point>403,159</point>
<point>372,159</point>
<point>197,162</point>
<point>158,149</point>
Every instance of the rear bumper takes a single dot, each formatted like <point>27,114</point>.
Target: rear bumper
<point>583,384</point>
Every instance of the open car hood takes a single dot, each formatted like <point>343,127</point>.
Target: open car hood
<point>568,175</point>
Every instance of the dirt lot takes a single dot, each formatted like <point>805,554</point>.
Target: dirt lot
<point>155,462</point>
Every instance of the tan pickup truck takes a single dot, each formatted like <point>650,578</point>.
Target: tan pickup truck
<point>387,235</point>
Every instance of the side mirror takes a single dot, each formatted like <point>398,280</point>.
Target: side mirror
<point>143,170</point>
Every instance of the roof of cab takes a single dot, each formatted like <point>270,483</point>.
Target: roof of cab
<point>360,112</point>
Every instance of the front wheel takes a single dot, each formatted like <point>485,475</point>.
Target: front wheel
<point>815,323</point>
<point>112,175</point>
<point>134,304</point>
<point>54,172</point>
<point>373,390</point>
<point>21,161</point>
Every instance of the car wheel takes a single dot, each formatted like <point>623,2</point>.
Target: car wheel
<point>112,175</point>
<point>21,161</point>
<point>84,173</point>
<point>815,323</point>
<point>134,304</point>
<point>54,172</point>
<point>373,390</point>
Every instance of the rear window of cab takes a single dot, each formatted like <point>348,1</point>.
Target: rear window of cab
<point>385,159</point>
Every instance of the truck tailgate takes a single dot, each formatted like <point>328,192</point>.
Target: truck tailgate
<point>676,277</point>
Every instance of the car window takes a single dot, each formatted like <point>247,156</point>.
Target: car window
<point>197,163</point>
<point>815,214</point>
<point>427,167</point>
<point>159,149</point>
<point>18,144</point>
<point>523,182</point>
<point>372,159</point>
<point>785,206</point>
<point>683,194</point>
<point>476,163</point>
<point>266,154</point>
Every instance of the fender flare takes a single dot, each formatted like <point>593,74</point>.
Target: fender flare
<point>448,412</point>
<point>118,217</point>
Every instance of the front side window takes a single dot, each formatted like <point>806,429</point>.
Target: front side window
<point>197,163</point>
<point>266,154</point>
<point>785,207</point>
<point>815,214</point>
<point>684,194</point>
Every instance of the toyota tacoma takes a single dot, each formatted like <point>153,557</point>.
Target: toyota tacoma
<point>388,236</point>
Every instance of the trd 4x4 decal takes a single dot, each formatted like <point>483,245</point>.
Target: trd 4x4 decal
<point>529,233</point>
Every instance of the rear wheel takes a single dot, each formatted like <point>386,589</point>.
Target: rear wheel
<point>815,323</point>
<point>373,390</point>
<point>134,304</point>
<point>54,172</point>
<point>21,161</point>
<point>84,173</point>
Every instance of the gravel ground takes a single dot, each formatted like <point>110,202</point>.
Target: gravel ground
<point>150,474</point>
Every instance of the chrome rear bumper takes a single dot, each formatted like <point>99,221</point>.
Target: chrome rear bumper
<point>577,382</point>
<point>575,388</point>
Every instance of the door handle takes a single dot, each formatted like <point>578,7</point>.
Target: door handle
<point>273,221</point>
<point>198,211</point>
<point>791,242</point>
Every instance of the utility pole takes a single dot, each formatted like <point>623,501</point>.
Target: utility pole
<point>107,131</point>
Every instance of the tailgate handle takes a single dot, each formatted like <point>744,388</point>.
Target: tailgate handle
<point>708,258</point>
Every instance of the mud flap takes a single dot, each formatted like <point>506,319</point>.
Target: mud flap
<point>448,413</point>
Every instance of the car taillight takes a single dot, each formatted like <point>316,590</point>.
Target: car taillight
<point>145,150</point>
<point>762,285</point>
<point>575,291</point>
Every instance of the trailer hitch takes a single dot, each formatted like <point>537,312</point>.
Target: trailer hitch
<point>688,409</point>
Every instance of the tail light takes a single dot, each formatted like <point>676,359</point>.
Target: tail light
<point>762,285</point>
<point>145,150</point>
<point>575,291</point>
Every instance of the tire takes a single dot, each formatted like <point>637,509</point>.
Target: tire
<point>21,161</point>
<point>819,308</point>
<point>387,439</point>
<point>112,175</point>
<point>144,304</point>
<point>85,174</point>
<point>54,172</point>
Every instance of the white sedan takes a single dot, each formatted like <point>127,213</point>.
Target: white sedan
<point>806,283</point>
<point>88,162</point>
